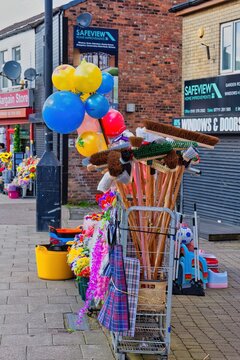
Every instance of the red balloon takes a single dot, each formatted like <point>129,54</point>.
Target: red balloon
<point>113,123</point>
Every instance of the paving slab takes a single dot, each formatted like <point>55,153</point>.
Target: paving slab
<point>200,325</point>
<point>56,352</point>
<point>13,352</point>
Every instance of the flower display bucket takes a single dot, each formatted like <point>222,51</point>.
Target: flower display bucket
<point>82,287</point>
<point>13,194</point>
<point>52,265</point>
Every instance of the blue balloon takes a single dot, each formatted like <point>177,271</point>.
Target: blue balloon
<point>63,112</point>
<point>107,83</point>
<point>97,106</point>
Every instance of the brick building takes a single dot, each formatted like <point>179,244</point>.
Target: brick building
<point>149,63</point>
<point>210,103</point>
<point>149,71</point>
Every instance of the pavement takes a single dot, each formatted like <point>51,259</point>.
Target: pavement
<point>32,310</point>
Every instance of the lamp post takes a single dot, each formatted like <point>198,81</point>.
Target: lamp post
<point>48,183</point>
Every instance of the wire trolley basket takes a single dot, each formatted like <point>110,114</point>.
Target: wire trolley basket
<point>154,248</point>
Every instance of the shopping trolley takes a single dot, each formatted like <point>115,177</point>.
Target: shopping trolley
<point>153,318</point>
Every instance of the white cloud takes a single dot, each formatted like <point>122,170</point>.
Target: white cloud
<point>13,11</point>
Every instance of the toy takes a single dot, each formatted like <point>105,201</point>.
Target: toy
<point>62,236</point>
<point>217,280</point>
<point>185,234</point>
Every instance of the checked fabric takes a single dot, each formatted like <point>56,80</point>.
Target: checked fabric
<point>132,270</point>
<point>114,314</point>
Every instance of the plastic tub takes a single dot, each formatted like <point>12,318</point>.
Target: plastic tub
<point>52,265</point>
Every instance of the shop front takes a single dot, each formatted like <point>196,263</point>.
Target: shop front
<point>211,105</point>
<point>15,108</point>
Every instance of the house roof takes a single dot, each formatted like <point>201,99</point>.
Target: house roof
<point>186,5</point>
<point>72,3</point>
<point>194,5</point>
<point>33,21</point>
<point>24,25</point>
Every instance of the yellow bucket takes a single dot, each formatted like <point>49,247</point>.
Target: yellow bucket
<point>52,265</point>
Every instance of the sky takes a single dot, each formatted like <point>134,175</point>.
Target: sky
<point>13,11</point>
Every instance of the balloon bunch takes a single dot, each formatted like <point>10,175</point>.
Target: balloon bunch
<point>80,103</point>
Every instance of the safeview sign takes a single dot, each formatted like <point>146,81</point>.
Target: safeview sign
<point>96,39</point>
<point>212,95</point>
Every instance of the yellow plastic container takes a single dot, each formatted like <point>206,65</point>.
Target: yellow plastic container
<point>52,265</point>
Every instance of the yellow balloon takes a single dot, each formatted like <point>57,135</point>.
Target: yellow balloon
<point>90,143</point>
<point>87,77</point>
<point>63,77</point>
<point>84,97</point>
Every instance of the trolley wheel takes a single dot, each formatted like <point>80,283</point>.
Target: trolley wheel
<point>121,357</point>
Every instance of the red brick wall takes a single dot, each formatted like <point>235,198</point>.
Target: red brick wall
<point>149,67</point>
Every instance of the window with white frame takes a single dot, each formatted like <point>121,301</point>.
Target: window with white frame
<point>16,53</point>
<point>16,56</point>
<point>3,80</point>
<point>230,47</point>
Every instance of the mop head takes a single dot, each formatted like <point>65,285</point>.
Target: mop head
<point>170,130</point>
<point>152,150</point>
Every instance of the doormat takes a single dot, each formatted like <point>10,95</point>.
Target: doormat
<point>70,321</point>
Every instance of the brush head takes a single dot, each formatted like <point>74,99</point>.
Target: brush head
<point>152,150</point>
<point>136,141</point>
<point>171,160</point>
<point>170,130</point>
<point>115,167</point>
<point>182,145</point>
<point>99,158</point>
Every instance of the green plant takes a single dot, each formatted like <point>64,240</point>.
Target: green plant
<point>16,139</point>
<point>82,204</point>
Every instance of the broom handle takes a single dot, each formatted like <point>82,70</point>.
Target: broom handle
<point>135,202</point>
<point>131,218</point>
<point>159,184</point>
<point>145,253</point>
<point>163,221</point>
<point>158,217</point>
<point>171,205</point>
<point>164,189</point>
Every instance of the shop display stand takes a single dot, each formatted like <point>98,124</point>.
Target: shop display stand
<point>153,320</point>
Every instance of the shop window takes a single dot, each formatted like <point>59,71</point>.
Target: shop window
<point>99,59</point>
<point>16,56</point>
<point>3,80</point>
<point>230,47</point>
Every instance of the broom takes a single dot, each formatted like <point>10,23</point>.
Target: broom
<point>167,130</point>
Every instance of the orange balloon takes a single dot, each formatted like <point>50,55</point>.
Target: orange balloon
<point>89,124</point>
